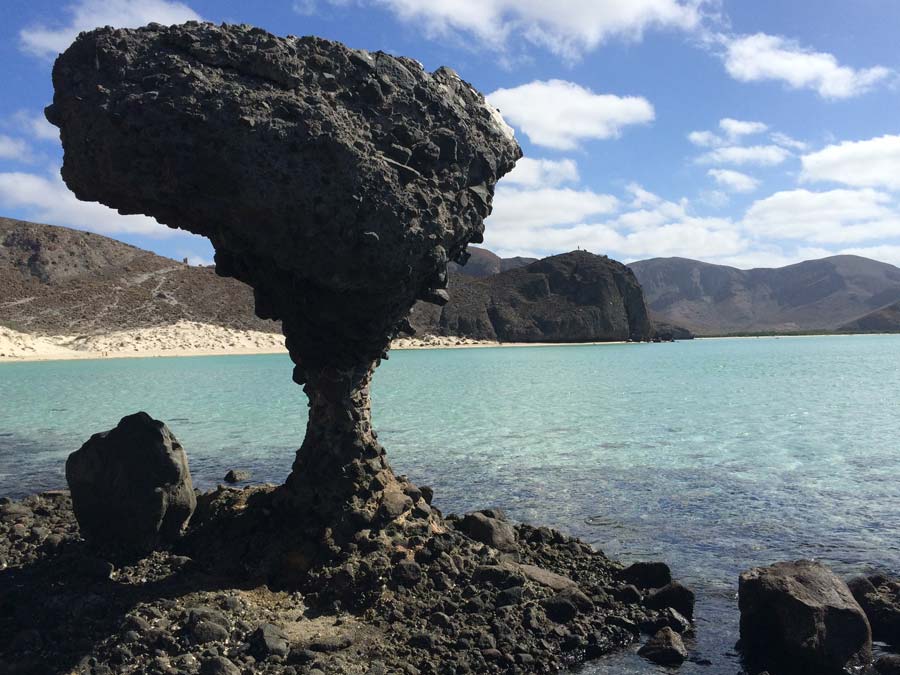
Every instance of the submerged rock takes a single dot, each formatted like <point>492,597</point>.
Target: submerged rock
<point>131,486</point>
<point>237,476</point>
<point>802,613</point>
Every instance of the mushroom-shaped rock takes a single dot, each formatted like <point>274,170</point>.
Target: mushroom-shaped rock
<point>338,183</point>
<point>131,486</point>
<point>803,614</point>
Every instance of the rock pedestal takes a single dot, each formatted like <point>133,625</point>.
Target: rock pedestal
<point>337,183</point>
<point>801,613</point>
<point>131,486</point>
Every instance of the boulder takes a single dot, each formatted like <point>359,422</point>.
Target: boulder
<point>801,613</point>
<point>131,486</point>
<point>675,595</point>
<point>666,648</point>
<point>880,599</point>
<point>647,574</point>
<point>237,476</point>
<point>495,533</point>
<point>269,640</point>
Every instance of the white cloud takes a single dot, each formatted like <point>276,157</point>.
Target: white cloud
<point>834,216</point>
<point>535,173</point>
<point>871,163</point>
<point>761,155</point>
<point>640,196</point>
<point>518,208</point>
<point>754,58</point>
<point>539,223</point>
<point>13,148</point>
<point>48,200</point>
<point>737,128</point>
<point>735,181</point>
<point>567,28</point>
<point>705,139</point>
<point>559,114</point>
<point>35,125</point>
<point>48,41</point>
<point>786,141</point>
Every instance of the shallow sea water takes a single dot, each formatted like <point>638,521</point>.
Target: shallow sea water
<point>714,455</point>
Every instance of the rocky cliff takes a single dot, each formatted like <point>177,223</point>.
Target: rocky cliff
<point>572,297</point>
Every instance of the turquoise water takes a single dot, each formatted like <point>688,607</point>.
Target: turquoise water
<point>714,455</point>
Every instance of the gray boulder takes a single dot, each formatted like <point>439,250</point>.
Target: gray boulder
<point>802,613</point>
<point>666,648</point>
<point>879,597</point>
<point>494,532</point>
<point>131,486</point>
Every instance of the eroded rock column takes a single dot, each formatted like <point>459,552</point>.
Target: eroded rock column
<point>338,183</point>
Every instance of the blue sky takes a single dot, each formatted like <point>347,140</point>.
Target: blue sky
<point>744,133</point>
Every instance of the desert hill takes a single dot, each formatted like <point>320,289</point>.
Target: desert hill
<point>55,280</point>
<point>59,280</point>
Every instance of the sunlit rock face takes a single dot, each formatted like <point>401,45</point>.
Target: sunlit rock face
<point>338,183</point>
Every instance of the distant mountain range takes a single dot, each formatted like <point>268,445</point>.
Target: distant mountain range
<point>59,280</point>
<point>55,280</point>
<point>835,294</point>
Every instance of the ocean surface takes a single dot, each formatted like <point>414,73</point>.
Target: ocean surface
<point>713,455</point>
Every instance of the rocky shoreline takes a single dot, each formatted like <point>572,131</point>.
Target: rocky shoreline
<point>531,600</point>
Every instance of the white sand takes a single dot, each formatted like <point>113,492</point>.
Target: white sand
<point>189,338</point>
<point>185,338</point>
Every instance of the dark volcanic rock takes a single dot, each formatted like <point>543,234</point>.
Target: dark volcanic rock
<point>665,647</point>
<point>674,595</point>
<point>131,486</point>
<point>338,183</point>
<point>491,531</point>
<point>647,574</point>
<point>573,297</point>
<point>879,597</point>
<point>803,613</point>
<point>237,476</point>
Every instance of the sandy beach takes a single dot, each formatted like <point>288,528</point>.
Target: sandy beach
<point>189,338</point>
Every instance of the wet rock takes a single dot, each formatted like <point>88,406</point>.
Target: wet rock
<point>565,605</point>
<point>131,486</point>
<point>647,574</point>
<point>237,476</point>
<point>269,640</point>
<point>665,647</point>
<point>674,595</point>
<point>879,597</point>
<point>801,612</point>
<point>491,531</point>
